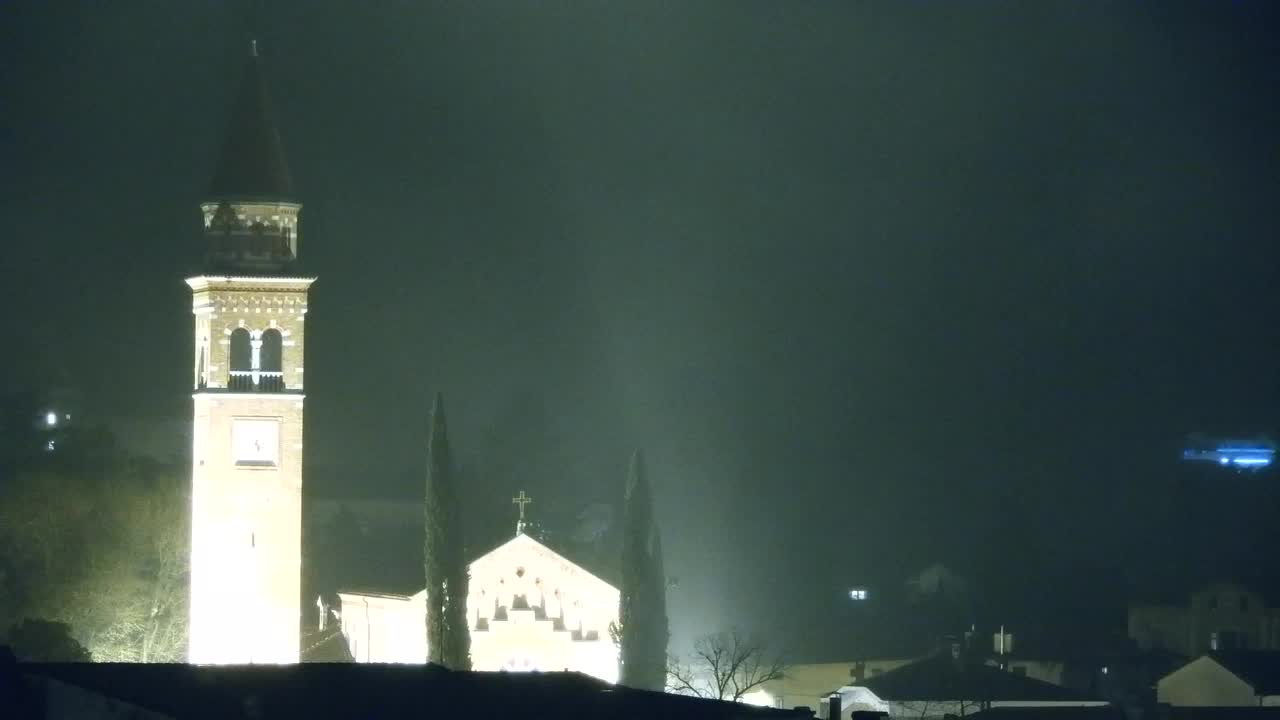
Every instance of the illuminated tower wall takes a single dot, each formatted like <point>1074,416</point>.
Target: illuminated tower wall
<point>246,479</point>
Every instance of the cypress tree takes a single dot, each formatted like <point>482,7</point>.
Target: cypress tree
<point>448,637</point>
<point>643,601</point>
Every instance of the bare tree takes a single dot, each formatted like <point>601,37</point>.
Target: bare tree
<point>724,666</point>
<point>926,709</point>
<point>108,557</point>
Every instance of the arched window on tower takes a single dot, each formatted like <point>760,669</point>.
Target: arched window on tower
<point>272,358</point>
<point>241,362</point>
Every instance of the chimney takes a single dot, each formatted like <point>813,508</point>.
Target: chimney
<point>833,706</point>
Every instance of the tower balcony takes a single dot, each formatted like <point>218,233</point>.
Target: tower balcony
<point>255,381</point>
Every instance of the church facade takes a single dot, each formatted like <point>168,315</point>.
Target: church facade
<point>528,609</point>
<point>247,379</point>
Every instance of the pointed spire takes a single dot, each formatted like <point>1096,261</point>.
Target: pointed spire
<point>252,165</point>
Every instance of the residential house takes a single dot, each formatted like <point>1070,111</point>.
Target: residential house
<point>949,684</point>
<point>1224,679</point>
<point>1218,617</point>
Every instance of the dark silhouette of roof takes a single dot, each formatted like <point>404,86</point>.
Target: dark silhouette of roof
<point>1077,712</point>
<point>941,678</point>
<point>1210,712</point>
<point>326,646</point>
<point>320,691</point>
<point>1259,668</point>
<point>252,164</point>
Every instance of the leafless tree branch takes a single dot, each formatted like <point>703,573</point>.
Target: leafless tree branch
<point>724,666</point>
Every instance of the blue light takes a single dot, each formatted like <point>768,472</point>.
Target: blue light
<point>1234,454</point>
<point>1250,461</point>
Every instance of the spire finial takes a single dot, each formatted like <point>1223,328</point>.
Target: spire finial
<point>253,48</point>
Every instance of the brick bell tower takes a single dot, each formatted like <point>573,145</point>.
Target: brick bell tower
<point>246,475</point>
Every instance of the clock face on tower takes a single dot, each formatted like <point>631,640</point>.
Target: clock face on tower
<point>255,442</point>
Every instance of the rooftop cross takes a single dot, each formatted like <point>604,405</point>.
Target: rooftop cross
<point>521,500</point>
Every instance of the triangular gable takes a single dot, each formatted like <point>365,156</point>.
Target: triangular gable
<point>517,544</point>
<point>1203,681</point>
<point>524,543</point>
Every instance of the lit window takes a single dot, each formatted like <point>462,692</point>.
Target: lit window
<point>51,418</point>
<point>857,594</point>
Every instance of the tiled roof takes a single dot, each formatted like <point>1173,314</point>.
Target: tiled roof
<point>941,678</point>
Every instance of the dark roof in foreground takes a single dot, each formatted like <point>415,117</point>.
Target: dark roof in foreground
<point>1210,712</point>
<point>1077,712</point>
<point>942,678</point>
<point>318,691</point>
<point>1259,668</point>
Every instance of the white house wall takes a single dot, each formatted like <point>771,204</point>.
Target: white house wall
<point>1204,682</point>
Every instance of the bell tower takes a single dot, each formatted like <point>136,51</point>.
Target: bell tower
<point>246,475</point>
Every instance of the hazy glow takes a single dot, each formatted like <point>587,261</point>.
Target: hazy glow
<point>759,697</point>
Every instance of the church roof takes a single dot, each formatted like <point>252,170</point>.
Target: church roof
<point>252,164</point>
<point>381,579</point>
<point>526,540</point>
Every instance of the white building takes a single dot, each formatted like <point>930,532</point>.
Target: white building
<point>1227,679</point>
<point>528,608</point>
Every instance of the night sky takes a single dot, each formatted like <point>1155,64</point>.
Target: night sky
<point>874,284</point>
